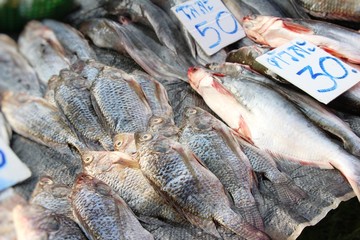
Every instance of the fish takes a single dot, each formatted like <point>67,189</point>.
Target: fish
<point>317,112</point>
<point>43,51</point>
<point>274,32</point>
<point>102,214</point>
<point>46,127</point>
<point>122,173</point>
<point>74,43</point>
<point>52,196</point>
<point>338,9</point>
<point>184,181</point>
<point>155,59</point>
<point>16,73</point>
<point>37,223</point>
<point>250,117</point>
<point>120,104</point>
<point>212,142</point>
<point>73,98</point>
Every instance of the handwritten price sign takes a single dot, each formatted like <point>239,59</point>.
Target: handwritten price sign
<point>210,23</point>
<point>12,170</point>
<point>310,68</point>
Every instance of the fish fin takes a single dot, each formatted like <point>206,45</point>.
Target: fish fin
<point>244,130</point>
<point>138,90</point>
<point>127,161</point>
<point>218,74</point>
<point>205,224</point>
<point>336,53</point>
<point>297,27</point>
<point>252,215</point>
<point>220,88</point>
<point>235,223</point>
<point>186,156</point>
<point>289,193</point>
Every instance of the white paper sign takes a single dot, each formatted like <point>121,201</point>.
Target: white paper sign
<point>12,170</point>
<point>210,23</point>
<point>311,69</point>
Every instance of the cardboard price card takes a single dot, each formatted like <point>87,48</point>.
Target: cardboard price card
<point>311,69</point>
<point>210,23</point>
<point>12,170</point>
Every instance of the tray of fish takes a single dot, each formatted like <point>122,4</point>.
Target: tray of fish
<point>132,132</point>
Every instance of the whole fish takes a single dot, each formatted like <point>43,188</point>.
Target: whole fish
<point>52,196</point>
<point>101,214</point>
<point>121,104</point>
<point>16,73</point>
<point>73,98</point>
<point>348,10</point>
<point>318,113</point>
<point>74,43</point>
<point>275,31</point>
<point>43,51</point>
<point>248,111</point>
<point>215,146</point>
<point>38,120</point>
<point>189,186</point>
<point>122,173</point>
<point>37,223</point>
<point>155,59</point>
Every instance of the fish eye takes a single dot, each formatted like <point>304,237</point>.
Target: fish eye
<point>145,137</point>
<point>88,159</point>
<point>119,143</point>
<point>46,180</point>
<point>191,111</point>
<point>156,120</point>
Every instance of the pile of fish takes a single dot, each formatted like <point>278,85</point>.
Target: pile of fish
<point>132,132</point>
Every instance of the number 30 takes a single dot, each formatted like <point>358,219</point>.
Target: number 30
<point>203,31</point>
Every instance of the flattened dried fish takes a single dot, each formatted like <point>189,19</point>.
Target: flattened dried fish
<point>101,214</point>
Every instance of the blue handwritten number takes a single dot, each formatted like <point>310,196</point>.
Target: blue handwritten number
<point>2,159</point>
<point>218,18</point>
<point>325,73</point>
<point>202,32</point>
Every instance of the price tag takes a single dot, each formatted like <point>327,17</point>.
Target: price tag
<point>311,69</point>
<point>12,170</point>
<point>210,23</point>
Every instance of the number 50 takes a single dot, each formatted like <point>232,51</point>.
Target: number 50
<point>204,31</point>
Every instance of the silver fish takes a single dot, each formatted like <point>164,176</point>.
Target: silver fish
<point>191,187</point>
<point>41,48</point>
<point>249,116</point>
<point>213,143</point>
<point>16,73</point>
<point>76,47</point>
<point>101,213</point>
<point>37,223</point>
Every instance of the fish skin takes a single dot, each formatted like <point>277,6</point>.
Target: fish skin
<point>52,196</point>
<point>16,73</point>
<point>46,127</point>
<point>76,47</point>
<point>73,98</point>
<point>121,172</point>
<point>317,112</point>
<point>120,103</point>
<point>155,59</point>
<point>5,130</point>
<point>37,223</point>
<point>102,214</point>
<point>275,31</point>
<point>255,110</point>
<point>43,51</point>
<point>291,9</point>
<point>188,185</point>
<point>212,142</point>
<point>348,10</point>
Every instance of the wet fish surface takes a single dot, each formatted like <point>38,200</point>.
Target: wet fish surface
<point>101,214</point>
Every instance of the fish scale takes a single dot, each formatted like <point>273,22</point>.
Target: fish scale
<point>75,102</point>
<point>120,106</point>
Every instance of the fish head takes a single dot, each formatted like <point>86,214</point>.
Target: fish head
<point>254,26</point>
<point>198,119</point>
<point>199,79</point>
<point>151,143</point>
<point>125,142</point>
<point>85,181</point>
<point>96,161</point>
<point>163,125</point>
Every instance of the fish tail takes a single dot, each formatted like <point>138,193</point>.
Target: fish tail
<point>288,192</point>
<point>350,168</point>
<point>251,215</point>
<point>235,223</point>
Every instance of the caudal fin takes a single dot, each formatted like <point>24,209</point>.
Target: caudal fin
<point>235,223</point>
